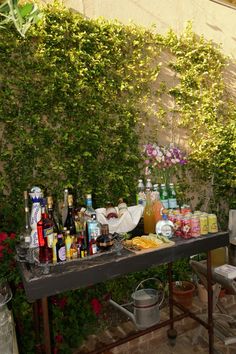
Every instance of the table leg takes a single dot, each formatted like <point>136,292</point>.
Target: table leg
<point>37,326</point>
<point>210,304</point>
<point>46,327</point>
<point>171,310</point>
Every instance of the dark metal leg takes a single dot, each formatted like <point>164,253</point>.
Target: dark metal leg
<point>37,327</point>
<point>171,311</point>
<point>210,304</point>
<point>46,327</point>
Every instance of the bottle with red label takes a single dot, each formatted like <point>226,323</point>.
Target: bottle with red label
<point>45,235</point>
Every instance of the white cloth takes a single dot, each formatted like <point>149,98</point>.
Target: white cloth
<point>126,223</point>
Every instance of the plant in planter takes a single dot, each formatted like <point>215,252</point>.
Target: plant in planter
<point>183,287</point>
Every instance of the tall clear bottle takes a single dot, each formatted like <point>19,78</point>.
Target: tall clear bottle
<point>140,195</point>
<point>90,211</point>
<point>36,196</point>
<point>64,211</point>
<point>26,237</point>
<point>148,216</point>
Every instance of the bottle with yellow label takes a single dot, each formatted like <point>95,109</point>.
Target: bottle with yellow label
<point>68,242</point>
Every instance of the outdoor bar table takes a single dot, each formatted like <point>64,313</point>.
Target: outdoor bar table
<point>40,284</point>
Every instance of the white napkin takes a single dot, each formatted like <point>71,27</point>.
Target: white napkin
<point>127,222</point>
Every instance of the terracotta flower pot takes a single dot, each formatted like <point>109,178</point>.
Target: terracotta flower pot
<point>183,293</point>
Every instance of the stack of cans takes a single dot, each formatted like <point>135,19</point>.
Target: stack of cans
<point>188,224</point>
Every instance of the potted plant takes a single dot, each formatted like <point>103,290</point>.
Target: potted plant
<point>183,287</point>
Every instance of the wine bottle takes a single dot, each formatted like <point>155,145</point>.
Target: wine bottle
<point>45,235</point>
<point>26,237</point>
<point>52,216</point>
<point>70,222</point>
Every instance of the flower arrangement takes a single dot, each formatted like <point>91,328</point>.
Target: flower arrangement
<point>163,161</point>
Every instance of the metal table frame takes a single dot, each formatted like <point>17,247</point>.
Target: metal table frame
<point>81,273</point>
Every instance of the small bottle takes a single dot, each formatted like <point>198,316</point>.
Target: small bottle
<point>148,216</point>
<point>172,202</point>
<point>83,248</point>
<point>73,248</point>
<point>122,207</point>
<point>51,215</point>
<point>140,196</point>
<point>157,205</point>
<point>148,185</point>
<point>89,212</point>
<point>68,242</point>
<point>165,227</point>
<point>164,196</point>
<point>54,248</point>
<point>45,235</point>
<point>104,241</point>
<point>70,223</point>
<point>61,249</point>
<point>111,211</point>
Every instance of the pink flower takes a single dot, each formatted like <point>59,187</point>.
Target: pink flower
<point>3,236</point>
<point>12,236</point>
<point>96,306</point>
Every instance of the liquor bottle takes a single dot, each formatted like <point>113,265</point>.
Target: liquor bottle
<point>51,215</point>
<point>89,212</point>
<point>65,206</point>
<point>70,223</point>
<point>172,197</point>
<point>148,216</point>
<point>73,248</point>
<point>164,196</point>
<point>61,249</point>
<point>26,237</point>
<point>140,195</point>
<point>156,204</point>
<point>104,241</point>
<point>93,231</point>
<point>68,242</point>
<point>122,207</point>
<point>54,248</point>
<point>36,197</point>
<point>83,247</point>
<point>165,227</point>
<point>80,223</point>
<point>45,235</point>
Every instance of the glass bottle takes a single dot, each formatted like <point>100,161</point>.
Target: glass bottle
<point>93,231</point>
<point>51,215</point>
<point>140,195</point>
<point>45,235</point>
<point>83,247</point>
<point>89,212</point>
<point>148,187</point>
<point>172,202</point>
<point>61,249</point>
<point>70,223</point>
<point>36,197</point>
<point>64,211</point>
<point>157,205</point>
<point>165,227</point>
<point>54,248</point>
<point>26,237</point>
<point>148,216</point>
<point>68,242</point>
<point>164,196</point>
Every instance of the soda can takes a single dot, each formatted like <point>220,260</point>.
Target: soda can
<point>212,224</point>
<point>195,226</point>
<point>204,224</point>
<point>186,227</point>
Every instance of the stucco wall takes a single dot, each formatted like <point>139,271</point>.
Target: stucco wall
<point>215,21</point>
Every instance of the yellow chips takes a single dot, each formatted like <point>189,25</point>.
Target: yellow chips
<point>144,242</point>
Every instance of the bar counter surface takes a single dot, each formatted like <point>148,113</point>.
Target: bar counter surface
<point>40,282</point>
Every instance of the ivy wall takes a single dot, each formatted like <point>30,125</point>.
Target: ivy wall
<point>79,97</point>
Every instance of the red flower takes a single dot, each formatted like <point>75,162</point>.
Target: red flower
<point>62,303</point>
<point>96,306</point>
<point>59,338</point>
<point>12,236</point>
<point>3,236</point>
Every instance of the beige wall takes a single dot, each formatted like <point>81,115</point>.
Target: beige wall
<point>216,22</point>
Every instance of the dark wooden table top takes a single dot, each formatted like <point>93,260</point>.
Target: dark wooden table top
<point>41,281</point>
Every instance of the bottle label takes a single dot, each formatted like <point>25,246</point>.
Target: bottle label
<point>62,253</point>
<point>165,203</point>
<point>172,203</point>
<point>94,248</point>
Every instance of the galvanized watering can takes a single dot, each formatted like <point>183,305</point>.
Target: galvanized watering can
<point>146,304</point>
